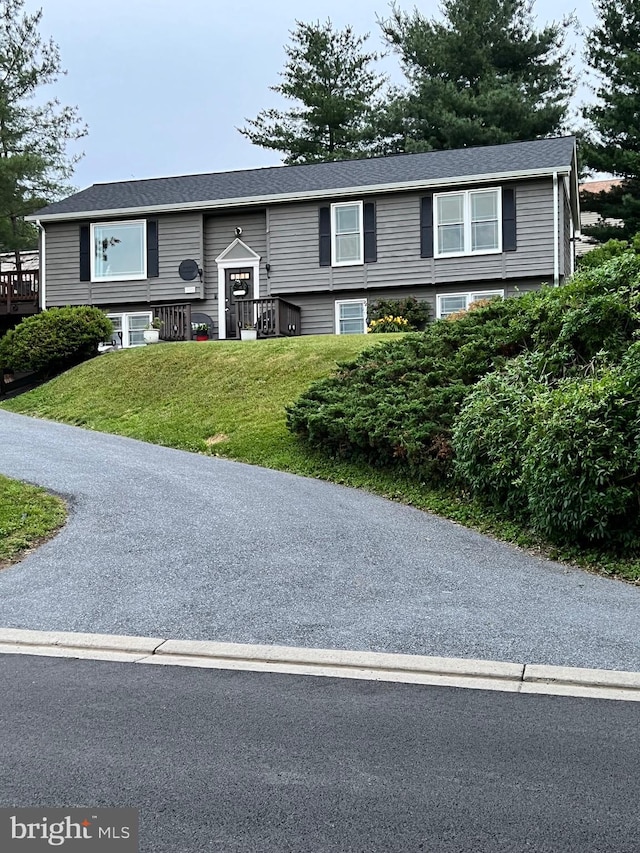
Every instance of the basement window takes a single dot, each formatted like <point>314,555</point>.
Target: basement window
<point>351,317</point>
<point>128,328</point>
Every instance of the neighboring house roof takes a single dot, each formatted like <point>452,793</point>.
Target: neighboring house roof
<point>599,186</point>
<point>319,180</point>
<point>583,243</point>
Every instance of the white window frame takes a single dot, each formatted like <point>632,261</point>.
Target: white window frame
<point>136,277</point>
<point>467,224</point>
<point>334,208</point>
<point>124,317</point>
<point>340,302</point>
<point>471,296</point>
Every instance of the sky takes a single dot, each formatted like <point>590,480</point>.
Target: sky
<point>163,84</point>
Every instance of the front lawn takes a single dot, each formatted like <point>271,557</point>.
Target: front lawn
<point>28,516</point>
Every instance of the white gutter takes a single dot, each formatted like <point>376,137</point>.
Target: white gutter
<point>556,231</point>
<point>280,198</point>
<point>42,264</point>
<point>572,227</point>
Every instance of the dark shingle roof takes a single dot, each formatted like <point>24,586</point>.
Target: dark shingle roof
<point>217,187</point>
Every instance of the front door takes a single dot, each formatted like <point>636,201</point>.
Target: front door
<point>237,280</point>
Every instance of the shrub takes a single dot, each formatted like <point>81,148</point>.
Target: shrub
<point>55,339</point>
<point>395,406</point>
<point>611,249</point>
<point>562,453</point>
<point>581,461</point>
<point>490,433</point>
<point>415,312</point>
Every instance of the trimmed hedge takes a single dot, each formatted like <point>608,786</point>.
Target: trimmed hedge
<point>55,339</point>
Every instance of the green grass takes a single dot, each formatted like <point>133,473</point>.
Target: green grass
<point>228,399</point>
<point>28,516</point>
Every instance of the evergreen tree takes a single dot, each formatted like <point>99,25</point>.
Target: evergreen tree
<point>613,53</point>
<point>335,92</point>
<point>34,165</point>
<point>480,76</point>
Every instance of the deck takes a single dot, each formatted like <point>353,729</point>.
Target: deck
<point>19,292</point>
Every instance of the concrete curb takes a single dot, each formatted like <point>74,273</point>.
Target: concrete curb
<point>377,666</point>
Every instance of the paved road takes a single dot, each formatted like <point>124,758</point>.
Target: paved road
<point>264,763</point>
<point>172,544</point>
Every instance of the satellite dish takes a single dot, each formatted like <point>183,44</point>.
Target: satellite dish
<point>188,270</point>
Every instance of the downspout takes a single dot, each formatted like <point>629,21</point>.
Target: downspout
<point>42,264</point>
<point>556,231</point>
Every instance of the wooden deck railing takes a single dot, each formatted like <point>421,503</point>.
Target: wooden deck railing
<point>176,322</point>
<point>18,291</point>
<point>272,317</point>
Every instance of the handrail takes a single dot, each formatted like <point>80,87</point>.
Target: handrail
<point>271,316</point>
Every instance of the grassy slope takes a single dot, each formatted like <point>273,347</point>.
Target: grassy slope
<point>28,515</point>
<point>228,399</point>
<point>231,395</point>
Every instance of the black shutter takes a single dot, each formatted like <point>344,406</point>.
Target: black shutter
<point>85,253</point>
<point>370,246</point>
<point>509,219</point>
<point>426,226</point>
<point>153,270</point>
<point>324,228</point>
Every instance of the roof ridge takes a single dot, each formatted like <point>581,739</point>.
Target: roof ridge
<point>280,166</point>
<point>416,170</point>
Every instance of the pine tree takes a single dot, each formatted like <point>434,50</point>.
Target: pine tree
<point>34,165</point>
<point>480,76</point>
<point>335,89</point>
<point>614,147</point>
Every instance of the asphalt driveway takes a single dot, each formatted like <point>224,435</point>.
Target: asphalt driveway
<point>166,543</point>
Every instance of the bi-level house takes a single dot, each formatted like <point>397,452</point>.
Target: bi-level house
<point>304,249</point>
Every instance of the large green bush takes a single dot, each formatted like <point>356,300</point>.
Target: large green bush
<point>581,461</point>
<point>55,339</point>
<point>529,403</point>
<point>490,433</point>
<point>396,404</point>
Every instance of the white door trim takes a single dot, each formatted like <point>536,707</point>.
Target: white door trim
<point>223,266</point>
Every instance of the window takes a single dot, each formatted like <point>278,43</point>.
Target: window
<point>467,223</point>
<point>119,251</point>
<point>128,328</point>
<point>351,317</point>
<point>451,303</point>
<point>346,234</point>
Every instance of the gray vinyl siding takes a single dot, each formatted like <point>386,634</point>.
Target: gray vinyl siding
<point>317,310</point>
<point>219,233</point>
<point>179,238</point>
<point>62,266</point>
<point>293,247</point>
<point>293,251</point>
<point>286,237</point>
<point>534,232</point>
